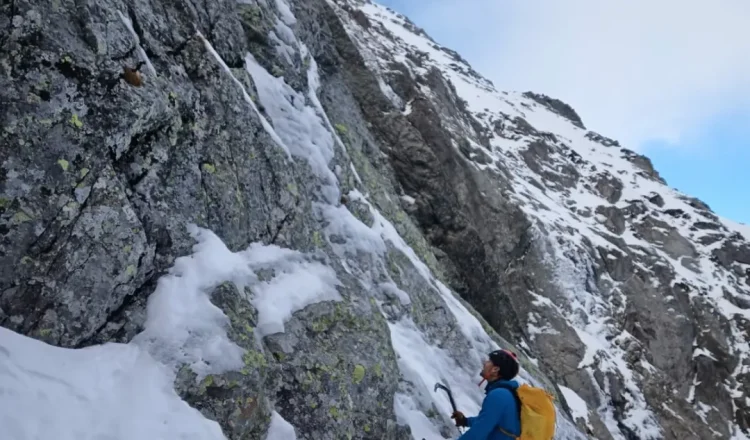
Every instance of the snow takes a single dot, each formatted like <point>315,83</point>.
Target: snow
<point>183,326</point>
<point>391,289</point>
<point>296,123</point>
<point>422,365</point>
<point>280,429</point>
<point>97,392</point>
<point>304,129</point>
<point>286,13</point>
<point>300,284</point>
<point>578,407</point>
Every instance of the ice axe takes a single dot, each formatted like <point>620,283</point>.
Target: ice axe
<point>450,397</point>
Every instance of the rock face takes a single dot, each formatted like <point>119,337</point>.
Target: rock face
<point>452,225</point>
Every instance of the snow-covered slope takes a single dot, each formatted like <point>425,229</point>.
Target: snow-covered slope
<point>309,213</point>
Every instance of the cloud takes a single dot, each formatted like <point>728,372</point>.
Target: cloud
<point>641,71</point>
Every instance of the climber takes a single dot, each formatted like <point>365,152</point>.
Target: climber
<point>499,415</point>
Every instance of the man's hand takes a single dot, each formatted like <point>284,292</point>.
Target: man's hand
<point>460,418</point>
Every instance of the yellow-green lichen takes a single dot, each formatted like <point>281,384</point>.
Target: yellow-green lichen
<point>334,412</point>
<point>127,248</point>
<point>341,128</point>
<point>367,428</point>
<point>322,324</point>
<point>205,383</point>
<point>84,172</point>
<point>250,14</point>
<point>75,121</point>
<point>131,270</point>
<point>21,217</point>
<point>64,164</point>
<point>358,374</point>
<point>378,370</point>
<point>292,188</point>
<point>316,239</point>
<point>209,168</point>
<point>4,202</point>
<point>253,360</point>
<point>238,197</point>
<point>45,332</point>
<point>65,59</point>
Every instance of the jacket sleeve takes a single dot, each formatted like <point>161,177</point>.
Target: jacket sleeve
<point>488,419</point>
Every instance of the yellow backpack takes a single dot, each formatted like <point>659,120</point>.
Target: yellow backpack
<point>537,412</point>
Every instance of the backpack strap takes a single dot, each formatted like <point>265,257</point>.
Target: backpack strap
<point>514,392</point>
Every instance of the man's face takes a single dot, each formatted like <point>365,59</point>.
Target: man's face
<point>489,370</point>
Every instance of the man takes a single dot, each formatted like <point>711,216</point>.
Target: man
<point>499,417</point>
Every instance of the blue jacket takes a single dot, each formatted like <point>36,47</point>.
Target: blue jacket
<point>499,409</point>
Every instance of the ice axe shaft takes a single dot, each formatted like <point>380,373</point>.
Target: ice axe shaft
<point>448,391</point>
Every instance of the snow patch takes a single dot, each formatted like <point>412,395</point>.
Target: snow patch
<point>111,391</point>
<point>184,327</point>
<point>280,429</point>
<point>578,407</point>
<point>286,13</point>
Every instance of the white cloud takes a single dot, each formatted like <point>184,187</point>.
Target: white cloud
<point>635,70</point>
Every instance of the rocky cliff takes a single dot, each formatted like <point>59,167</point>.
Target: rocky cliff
<point>297,216</point>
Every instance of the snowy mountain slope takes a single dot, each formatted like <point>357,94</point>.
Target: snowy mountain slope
<point>654,284</point>
<point>354,209</point>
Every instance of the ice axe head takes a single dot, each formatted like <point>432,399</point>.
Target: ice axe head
<point>447,391</point>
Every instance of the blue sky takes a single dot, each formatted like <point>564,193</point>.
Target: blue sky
<point>669,79</point>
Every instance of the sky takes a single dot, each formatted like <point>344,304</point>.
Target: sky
<point>669,79</point>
